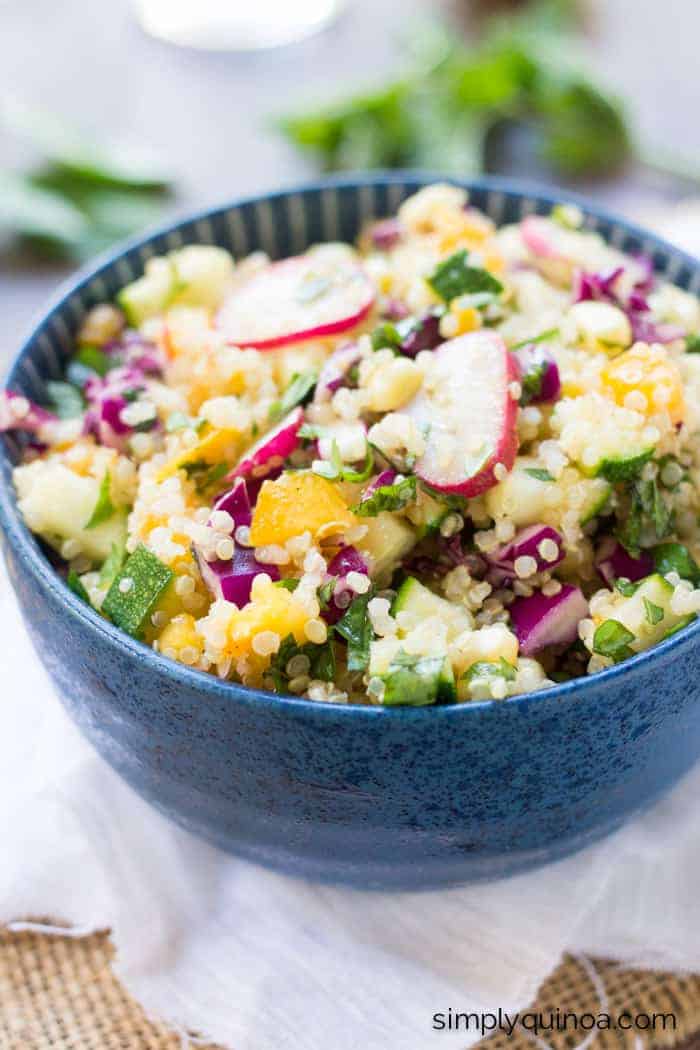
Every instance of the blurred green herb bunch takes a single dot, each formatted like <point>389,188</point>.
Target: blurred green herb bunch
<point>82,196</point>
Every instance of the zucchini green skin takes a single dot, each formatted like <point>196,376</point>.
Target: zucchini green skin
<point>429,680</point>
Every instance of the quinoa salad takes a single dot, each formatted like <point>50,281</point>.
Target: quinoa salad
<point>454,462</point>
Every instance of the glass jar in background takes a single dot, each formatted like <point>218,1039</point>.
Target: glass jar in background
<point>235,25</point>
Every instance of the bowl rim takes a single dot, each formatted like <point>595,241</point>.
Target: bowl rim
<point>25,546</point>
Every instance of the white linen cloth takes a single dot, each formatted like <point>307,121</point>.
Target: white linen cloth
<point>258,961</point>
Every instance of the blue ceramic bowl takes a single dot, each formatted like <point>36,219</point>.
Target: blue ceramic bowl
<point>400,797</point>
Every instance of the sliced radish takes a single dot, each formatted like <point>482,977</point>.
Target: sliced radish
<point>324,292</point>
<point>272,449</point>
<point>613,563</point>
<point>334,372</point>
<point>540,621</point>
<point>528,543</point>
<point>468,413</point>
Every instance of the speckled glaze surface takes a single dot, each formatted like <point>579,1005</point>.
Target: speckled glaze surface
<point>401,797</point>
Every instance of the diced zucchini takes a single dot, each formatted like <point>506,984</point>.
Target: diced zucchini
<point>621,465</point>
<point>427,513</point>
<point>58,503</point>
<point>387,541</point>
<point>602,438</point>
<point>135,591</point>
<point>150,294</point>
<point>412,680</point>
<point>646,614</point>
<point>421,603</point>
<point>193,276</point>
<point>526,497</point>
<point>202,273</point>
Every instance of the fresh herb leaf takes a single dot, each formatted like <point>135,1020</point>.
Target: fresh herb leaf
<point>65,399</point>
<point>335,470</point>
<point>531,382</point>
<point>93,358</point>
<point>301,385</point>
<point>539,473</point>
<point>147,578</point>
<point>325,592</point>
<point>322,663</point>
<point>104,508</point>
<point>204,474</point>
<point>75,584</point>
<point>414,680</point>
<point>543,337</point>
<point>388,497</point>
<point>674,557</point>
<point>453,277</point>
<point>356,628</point>
<point>386,335</point>
<point>647,512</point>
<point>654,613</point>
<point>692,344</point>
<point>612,639</point>
<point>288,585</point>
<point>626,587</point>
<point>487,669</point>
<point>112,563</point>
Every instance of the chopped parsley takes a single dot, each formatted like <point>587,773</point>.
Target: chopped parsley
<point>626,587</point>
<point>94,359</point>
<point>74,583</point>
<point>648,513</point>
<point>539,474</point>
<point>692,344</point>
<point>542,337</point>
<point>104,508</point>
<point>531,382</point>
<point>612,639</point>
<point>654,613</point>
<point>321,661</point>
<point>487,669</point>
<point>674,557</point>
<point>388,497</point>
<point>335,470</point>
<point>301,385</point>
<point>454,277</point>
<point>355,627</point>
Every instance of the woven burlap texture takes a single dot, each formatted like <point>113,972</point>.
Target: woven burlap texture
<point>59,993</point>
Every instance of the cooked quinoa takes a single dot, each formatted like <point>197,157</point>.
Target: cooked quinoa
<point>453,462</point>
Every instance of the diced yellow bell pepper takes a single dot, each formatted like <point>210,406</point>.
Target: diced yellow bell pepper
<point>298,501</point>
<point>650,372</point>
<point>217,446</point>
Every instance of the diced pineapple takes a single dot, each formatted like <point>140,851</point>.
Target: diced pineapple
<point>181,634</point>
<point>646,379</point>
<point>491,644</point>
<point>270,609</point>
<point>601,326</point>
<point>298,501</point>
<point>57,504</point>
<point>217,446</point>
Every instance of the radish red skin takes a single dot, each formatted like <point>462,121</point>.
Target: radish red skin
<point>281,278</point>
<point>505,443</point>
<point>278,443</point>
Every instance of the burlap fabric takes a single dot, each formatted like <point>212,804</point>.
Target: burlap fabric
<point>58,993</point>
